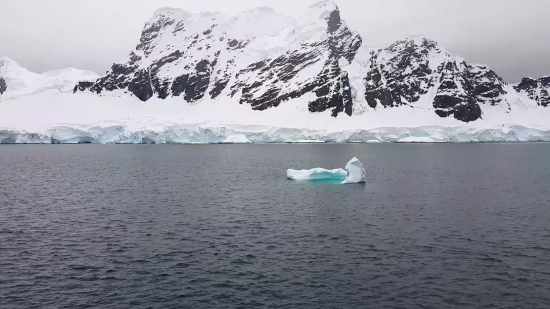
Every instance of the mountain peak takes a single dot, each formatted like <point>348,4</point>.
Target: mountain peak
<point>419,40</point>
<point>324,4</point>
<point>323,10</point>
<point>264,9</point>
<point>7,64</point>
<point>174,12</point>
<point>8,61</point>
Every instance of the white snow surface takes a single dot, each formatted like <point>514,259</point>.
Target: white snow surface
<point>52,116</point>
<point>22,82</point>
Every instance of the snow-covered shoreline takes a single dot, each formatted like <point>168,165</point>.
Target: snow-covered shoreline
<point>222,135</point>
<point>54,117</point>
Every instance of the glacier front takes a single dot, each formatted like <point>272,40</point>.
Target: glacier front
<point>56,117</point>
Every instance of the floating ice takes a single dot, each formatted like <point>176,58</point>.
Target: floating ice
<point>317,174</point>
<point>354,173</point>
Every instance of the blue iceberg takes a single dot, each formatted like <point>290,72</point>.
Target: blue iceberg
<point>353,173</point>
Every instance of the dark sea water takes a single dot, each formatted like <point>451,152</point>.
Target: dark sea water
<point>220,226</point>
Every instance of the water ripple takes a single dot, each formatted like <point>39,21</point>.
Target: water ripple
<point>437,226</point>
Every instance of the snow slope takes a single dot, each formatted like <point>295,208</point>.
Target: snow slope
<point>21,82</point>
<point>54,117</point>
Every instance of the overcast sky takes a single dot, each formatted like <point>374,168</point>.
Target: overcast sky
<point>511,36</point>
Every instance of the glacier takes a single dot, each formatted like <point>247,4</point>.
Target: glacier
<point>237,139</point>
<point>353,173</point>
<point>54,117</point>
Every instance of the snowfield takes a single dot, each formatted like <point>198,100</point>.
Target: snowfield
<point>57,117</point>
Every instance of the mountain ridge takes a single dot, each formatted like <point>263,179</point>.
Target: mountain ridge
<point>16,81</point>
<point>317,56</point>
<point>262,59</point>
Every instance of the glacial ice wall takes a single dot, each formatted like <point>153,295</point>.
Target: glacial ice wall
<point>193,134</point>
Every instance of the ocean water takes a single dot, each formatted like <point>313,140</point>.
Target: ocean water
<point>220,226</point>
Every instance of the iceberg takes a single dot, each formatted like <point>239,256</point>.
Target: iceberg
<point>353,173</point>
<point>356,172</point>
<point>339,174</point>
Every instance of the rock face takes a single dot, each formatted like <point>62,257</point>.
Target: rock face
<point>536,89</point>
<point>418,73</point>
<point>3,86</point>
<point>263,59</point>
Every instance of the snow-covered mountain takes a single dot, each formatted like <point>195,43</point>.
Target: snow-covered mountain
<point>416,72</point>
<point>257,57</point>
<point>537,90</point>
<point>263,59</point>
<point>16,81</point>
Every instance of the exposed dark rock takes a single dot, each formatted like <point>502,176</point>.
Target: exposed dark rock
<point>193,86</point>
<point>267,84</point>
<point>151,31</point>
<point>141,86</point>
<point>488,86</point>
<point>455,95</point>
<point>83,86</point>
<point>536,89</point>
<point>402,80</point>
<point>3,85</point>
<point>404,72</point>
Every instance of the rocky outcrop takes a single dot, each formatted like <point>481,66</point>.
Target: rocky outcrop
<point>3,85</point>
<point>418,73</point>
<point>267,83</point>
<point>537,90</point>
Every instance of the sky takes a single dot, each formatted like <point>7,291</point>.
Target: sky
<point>511,36</point>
